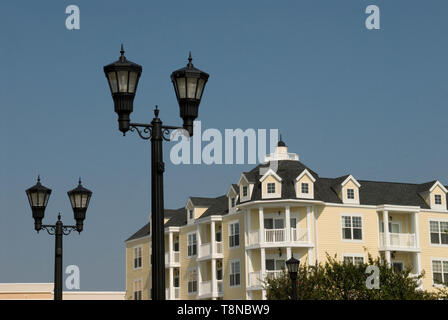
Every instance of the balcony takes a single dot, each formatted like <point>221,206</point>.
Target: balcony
<point>176,291</point>
<point>205,251</point>
<point>172,261</point>
<point>399,241</point>
<point>278,236</point>
<point>256,278</point>
<point>205,289</point>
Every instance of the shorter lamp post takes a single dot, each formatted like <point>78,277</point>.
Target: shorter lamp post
<point>293,267</point>
<point>38,196</point>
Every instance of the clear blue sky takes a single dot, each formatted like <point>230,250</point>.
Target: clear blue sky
<point>347,100</point>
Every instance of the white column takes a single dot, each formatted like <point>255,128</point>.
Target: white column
<point>288,253</point>
<point>199,240</point>
<point>416,229</point>
<point>212,238</point>
<point>199,278</point>
<point>386,235</point>
<point>214,282</point>
<point>263,271</point>
<point>248,226</point>
<point>315,237</point>
<point>171,295</point>
<point>308,223</point>
<point>261,218</point>
<point>288,223</point>
<point>170,247</point>
<point>310,256</point>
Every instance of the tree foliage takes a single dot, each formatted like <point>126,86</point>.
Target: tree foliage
<point>336,280</point>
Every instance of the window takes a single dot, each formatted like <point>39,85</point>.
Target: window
<point>353,259</point>
<point>440,271</point>
<point>271,187</point>
<point>218,237</point>
<point>350,194</point>
<point>233,202</point>
<point>438,199</point>
<point>137,257</point>
<point>397,266</point>
<point>271,223</point>
<point>235,273</point>
<point>218,269</point>
<point>138,290</point>
<point>176,245</point>
<point>192,244</point>
<point>244,191</point>
<point>234,234</point>
<point>176,277</point>
<point>191,214</point>
<point>275,264</point>
<point>192,281</point>
<point>305,188</point>
<point>351,228</point>
<point>439,232</point>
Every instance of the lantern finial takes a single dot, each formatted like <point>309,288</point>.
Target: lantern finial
<point>122,50</point>
<point>38,178</point>
<point>189,60</point>
<point>79,181</point>
<point>156,111</point>
<point>59,216</point>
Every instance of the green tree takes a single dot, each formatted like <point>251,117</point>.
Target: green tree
<point>336,280</point>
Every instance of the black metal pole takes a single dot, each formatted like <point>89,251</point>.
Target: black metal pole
<point>294,288</point>
<point>158,232</point>
<point>58,261</point>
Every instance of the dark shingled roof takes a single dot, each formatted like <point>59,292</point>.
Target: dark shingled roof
<point>219,207</point>
<point>202,202</point>
<point>175,217</point>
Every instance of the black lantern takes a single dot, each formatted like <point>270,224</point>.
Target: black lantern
<point>38,196</point>
<point>293,267</point>
<point>123,76</point>
<point>79,199</point>
<point>189,84</point>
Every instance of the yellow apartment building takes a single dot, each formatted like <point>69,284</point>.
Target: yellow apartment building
<point>222,248</point>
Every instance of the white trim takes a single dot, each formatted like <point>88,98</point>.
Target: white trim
<point>230,270</point>
<point>241,177</point>
<point>306,172</point>
<point>350,177</point>
<point>354,255</point>
<point>432,272</point>
<point>229,223</point>
<point>439,245</point>
<point>437,183</point>
<point>134,257</point>
<point>197,244</point>
<point>270,172</point>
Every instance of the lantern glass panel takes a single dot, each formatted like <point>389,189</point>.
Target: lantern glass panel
<point>112,76</point>
<point>123,81</point>
<point>201,83</point>
<point>191,87</point>
<point>181,88</point>
<point>132,81</point>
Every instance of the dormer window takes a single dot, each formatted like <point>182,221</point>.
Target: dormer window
<point>244,191</point>
<point>191,214</point>
<point>350,193</point>
<point>271,187</point>
<point>438,199</point>
<point>305,188</point>
<point>233,202</point>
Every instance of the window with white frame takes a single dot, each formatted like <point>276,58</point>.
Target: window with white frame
<point>192,278</point>
<point>137,257</point>
<point>235,274</point>
<point>191,214</point>
<point>191,244</point>
<point>351,228</point>
<point>439,232</point>
<point>218,269</point>
<point>305,188</point>
<point>271,187</point>
<point>440,271</point>
<point>234,234</point>
<point>176,281</point>
<point>351,194</point>
<point>138,289</point>
<point>233,202</point>
<point>244,191</point>
<point>437,199</point>
<point>353,259</point>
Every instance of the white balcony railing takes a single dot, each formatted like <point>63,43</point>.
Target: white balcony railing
<point>299,235</point>
<point>206,249</point>
<point>256,278</point>
<point>399,240</point>
<point>279,235</point>
<point>205,287</point>
<point>175,257</point>
<point>176,292</point>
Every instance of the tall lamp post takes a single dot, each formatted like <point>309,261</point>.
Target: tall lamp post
<point>189,83</point>
<point>293,267</point>
<point>38,196</point>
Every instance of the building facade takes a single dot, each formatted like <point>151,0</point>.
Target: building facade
<point>222,248</point>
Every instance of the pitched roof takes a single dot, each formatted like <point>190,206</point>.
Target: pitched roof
<point>202,202</point>
<point>220,207</point>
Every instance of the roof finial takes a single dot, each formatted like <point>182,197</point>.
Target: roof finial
<point>156,111</point>
<point>79,181</point>
<point>59,216</point>
<point>38,178</point>
<point>189,60</point>
<point>122,50</point>
<point>281,143</point>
